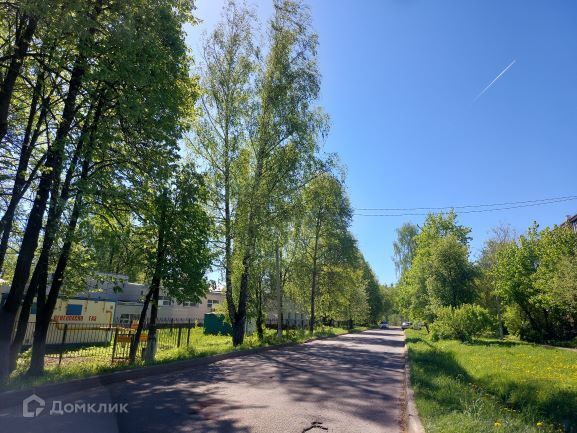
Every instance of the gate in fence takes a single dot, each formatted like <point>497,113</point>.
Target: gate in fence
<point>123,339</point>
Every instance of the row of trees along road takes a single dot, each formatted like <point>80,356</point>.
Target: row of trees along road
<point>524,285</point>
<point>95,96</point>
<point>282,214</point>
<point>97,101</point>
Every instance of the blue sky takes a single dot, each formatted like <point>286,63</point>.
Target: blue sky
<point>400,78</point>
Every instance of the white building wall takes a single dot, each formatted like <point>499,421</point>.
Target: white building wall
<point>126,312</point>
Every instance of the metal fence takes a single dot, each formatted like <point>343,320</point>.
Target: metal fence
<point>295,324</point>
<point>67,342</point>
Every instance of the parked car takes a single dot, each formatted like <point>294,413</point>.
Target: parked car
<point>405,325</point>
<point>384,325</point>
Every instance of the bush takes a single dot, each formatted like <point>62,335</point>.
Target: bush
<point>462,323</point>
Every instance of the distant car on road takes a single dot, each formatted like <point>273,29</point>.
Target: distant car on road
<point>405,325</point>
<point>384,325</point>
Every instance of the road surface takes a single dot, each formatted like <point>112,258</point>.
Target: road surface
<point>349,384</point>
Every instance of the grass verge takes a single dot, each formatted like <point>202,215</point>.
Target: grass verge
<point>200,345</point>
<point>492,386</point>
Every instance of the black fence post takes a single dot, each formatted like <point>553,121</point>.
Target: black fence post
<point>114,343</point>
<point>188,334</point>
<point>63,343</point>
<point>179,334</point>
<point>171,324</point>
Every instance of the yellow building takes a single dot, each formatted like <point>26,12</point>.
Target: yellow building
<point>85,321</point>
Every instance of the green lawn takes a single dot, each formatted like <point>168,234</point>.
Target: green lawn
<point>492,386</point>
<point>95,360</point>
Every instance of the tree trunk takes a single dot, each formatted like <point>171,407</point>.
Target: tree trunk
<point>34,225</point>
<point>156,281</point>
<point>238,331</point>
<point>20,182</point>
<point>228,248</point>
<point>278,292</point>
<point>239,322</point>
<point>45,309</point>
<point>23,319</point>
<point>141,320</point>
<point>21,46</point>
<point>499,317</point>
<point>238,326</point>
<point>39,282</point>
<point>259,315</point>
<point>151,342</point>
<point>315,272</point>
<point>228,226</point>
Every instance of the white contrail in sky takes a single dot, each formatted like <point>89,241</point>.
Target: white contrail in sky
<point>496,78</point>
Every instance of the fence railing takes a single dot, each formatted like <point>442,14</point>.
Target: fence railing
<point>73,342</point>
<point>291,323</point>
<point>112,341</point>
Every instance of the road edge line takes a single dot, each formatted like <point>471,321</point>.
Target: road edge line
<point>412,421</point>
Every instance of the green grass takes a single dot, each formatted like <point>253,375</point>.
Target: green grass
<point>492,386</point>
<point>94,360</point>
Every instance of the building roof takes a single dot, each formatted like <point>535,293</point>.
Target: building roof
<point>570,222</point>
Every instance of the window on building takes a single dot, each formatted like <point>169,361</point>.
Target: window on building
<point>211,304</point>
<point>164,301</point>
<point>189,304</point>
<point>126,319</point>
<point>74,310</point>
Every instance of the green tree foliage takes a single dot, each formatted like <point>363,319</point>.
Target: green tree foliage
<point>404,247</point>
<point>440,274</point>
<point>95,97</point>
<point>462,323</point>
<point>534,278</point>
<point>323,237</point>
<point>116,244</point>
<point>99,101</point>
<point>487,295</point>
<point>526,284</point>
<point>450,274</point>
<point>178,253</point>
<point>377,301</point>
<point>258,137</point>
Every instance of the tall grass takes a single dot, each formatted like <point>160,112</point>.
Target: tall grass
<point>493,386</point>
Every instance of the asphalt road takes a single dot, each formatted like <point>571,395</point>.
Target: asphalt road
<point>349,384</point>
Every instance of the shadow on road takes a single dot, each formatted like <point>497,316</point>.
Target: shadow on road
<point>353,380</point>
<point>359,372</point>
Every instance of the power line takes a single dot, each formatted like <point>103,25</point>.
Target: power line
<point>515,205</point>
<point>468,206</point>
